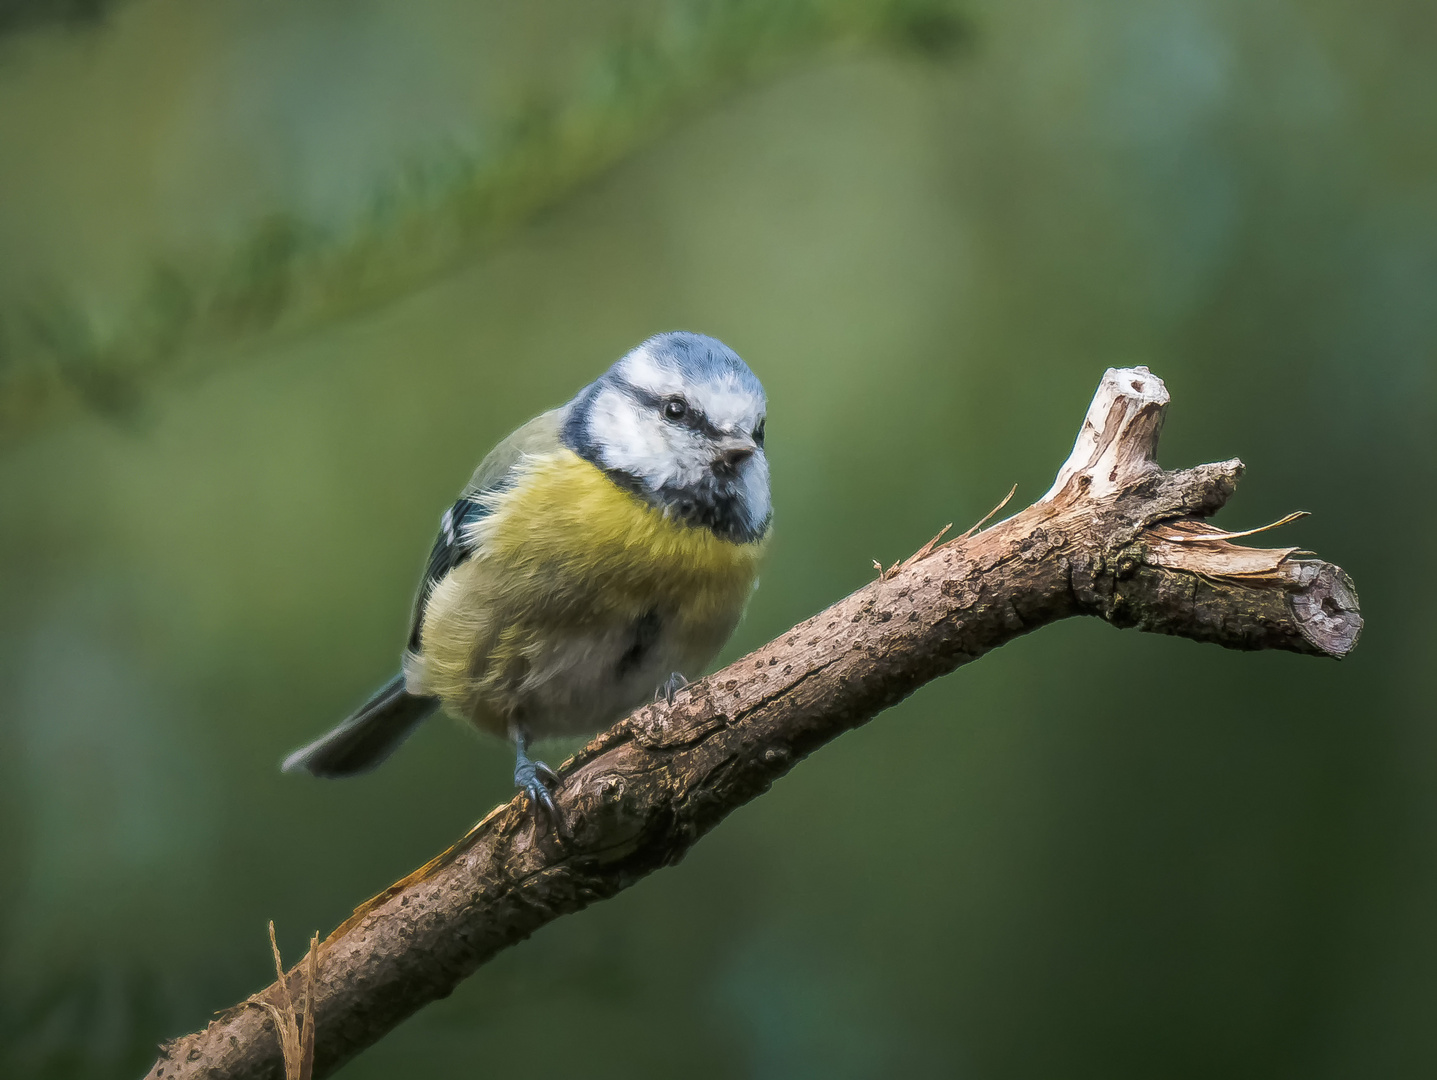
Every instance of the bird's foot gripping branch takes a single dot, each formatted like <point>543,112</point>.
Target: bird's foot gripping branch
<point>1116,537</point>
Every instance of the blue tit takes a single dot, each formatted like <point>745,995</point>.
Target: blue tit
<point>603,550</point>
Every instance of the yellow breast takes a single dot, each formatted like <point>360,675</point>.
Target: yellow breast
<point>564,519</point>
<point>565,552</point>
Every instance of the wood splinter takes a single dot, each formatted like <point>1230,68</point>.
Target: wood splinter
<point>1116,537</point>
<point>295,1035</point>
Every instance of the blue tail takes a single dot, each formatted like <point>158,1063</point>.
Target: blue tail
<point>368,737</point>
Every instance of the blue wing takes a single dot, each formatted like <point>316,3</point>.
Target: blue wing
<point>453,545</point>
<point>455,542</point>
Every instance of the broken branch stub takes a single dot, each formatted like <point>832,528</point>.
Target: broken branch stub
<point>1269,598</point>
<point>1116,537</point>
<point>1118,441</point>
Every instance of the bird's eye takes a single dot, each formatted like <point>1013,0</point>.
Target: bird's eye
<point>675,409</point>
<point>758,431</point>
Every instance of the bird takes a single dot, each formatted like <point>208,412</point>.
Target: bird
<point>599,557</point>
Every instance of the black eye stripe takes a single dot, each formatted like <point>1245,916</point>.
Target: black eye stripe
<point>688,416</point>
<point>693,416</point>
<point>643,397</point>
<point>700,423</point>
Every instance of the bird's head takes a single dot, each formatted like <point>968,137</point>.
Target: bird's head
<point>680,422</point>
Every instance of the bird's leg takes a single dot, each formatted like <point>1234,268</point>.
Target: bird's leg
<point>670,686</point>
<point>533,778</point>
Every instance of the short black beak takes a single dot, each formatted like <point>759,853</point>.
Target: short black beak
<point>733,453</point>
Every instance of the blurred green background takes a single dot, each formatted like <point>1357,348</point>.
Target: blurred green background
<point>273,277</point>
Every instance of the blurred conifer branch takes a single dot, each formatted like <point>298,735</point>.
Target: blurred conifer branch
<point>16,15</point>
<point>194,313</point>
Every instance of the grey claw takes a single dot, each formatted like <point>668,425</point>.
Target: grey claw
<point>534,779</point>
<point>671,686</point>
<point>539,795</point>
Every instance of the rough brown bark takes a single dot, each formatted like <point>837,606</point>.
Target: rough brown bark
<point>1116,537</point>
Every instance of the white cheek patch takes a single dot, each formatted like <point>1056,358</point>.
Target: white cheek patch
<point>692,458</point>
<point>634,439</point>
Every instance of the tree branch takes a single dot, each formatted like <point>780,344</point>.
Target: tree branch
<point>1116,537</point>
